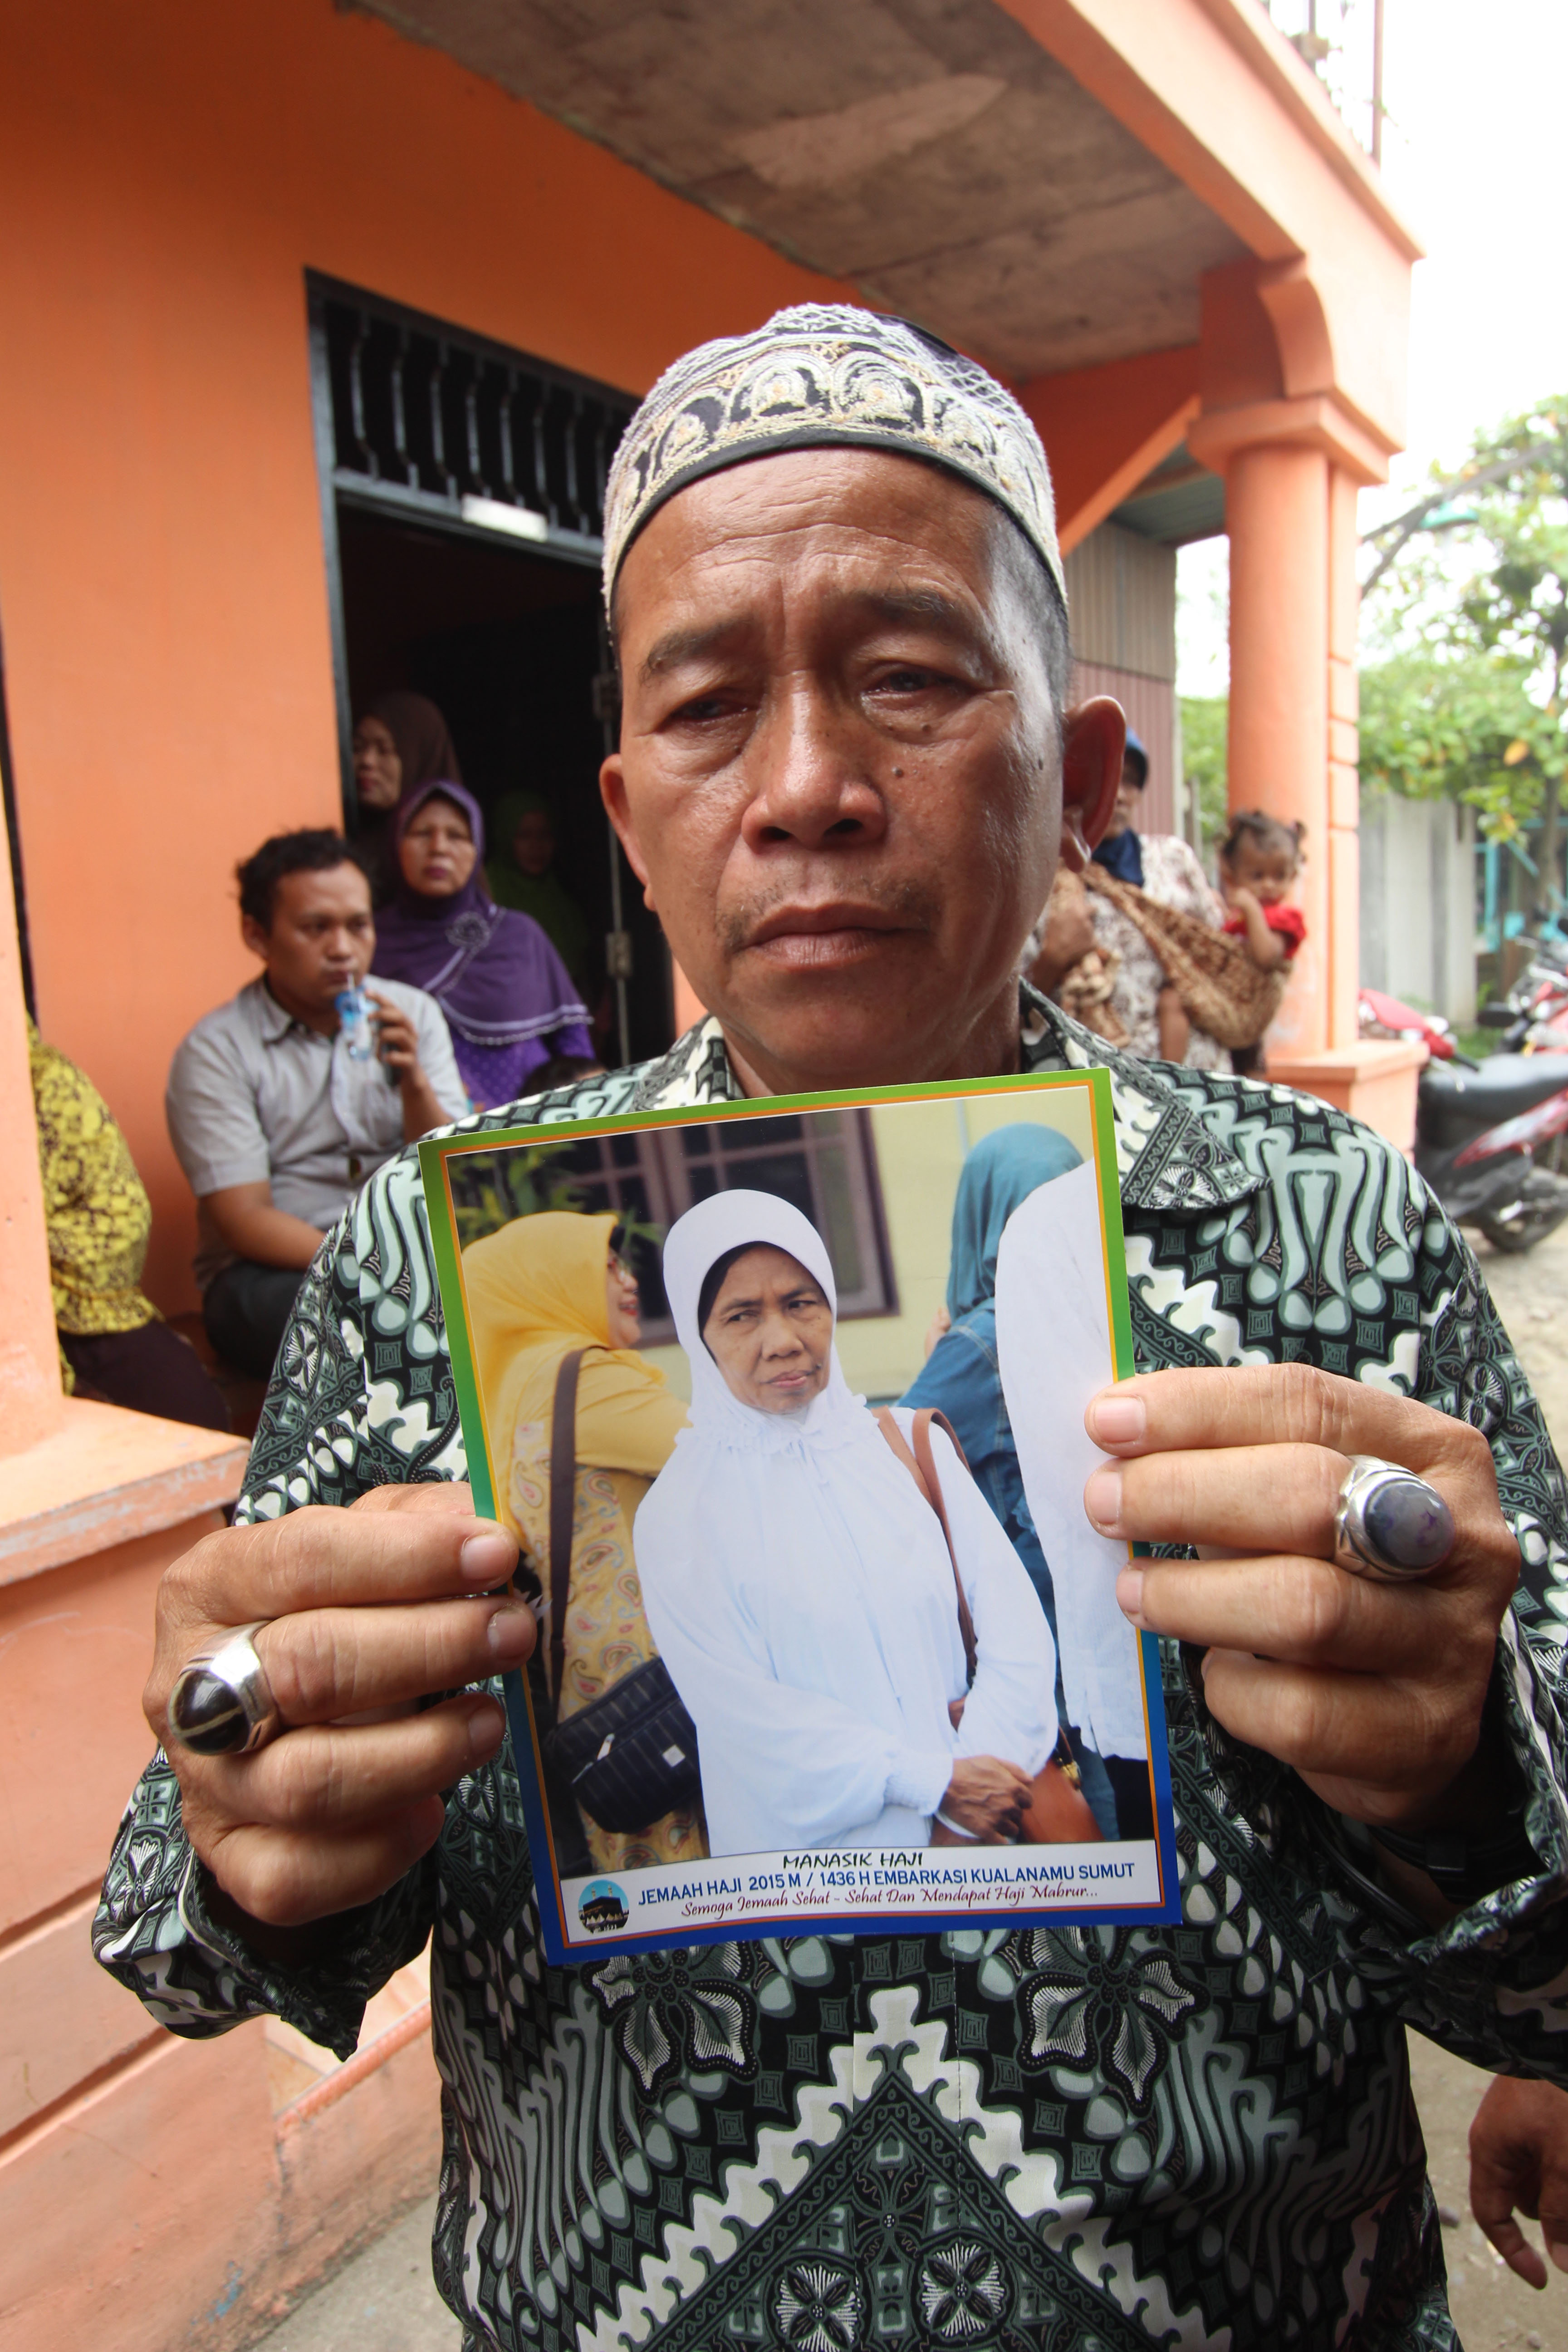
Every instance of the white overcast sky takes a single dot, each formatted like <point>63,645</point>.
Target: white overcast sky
<point>1474,156</point>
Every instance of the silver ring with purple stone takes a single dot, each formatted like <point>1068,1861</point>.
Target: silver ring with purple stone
<point>222,1703</point>
<point>1390,1526</point>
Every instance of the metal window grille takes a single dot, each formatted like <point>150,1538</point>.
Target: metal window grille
<point>428,418</point>
<point>824,1161</point>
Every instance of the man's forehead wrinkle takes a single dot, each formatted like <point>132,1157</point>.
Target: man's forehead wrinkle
<point>771,510</point>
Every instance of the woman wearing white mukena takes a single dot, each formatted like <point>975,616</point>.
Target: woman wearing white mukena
<point>798,1585</point>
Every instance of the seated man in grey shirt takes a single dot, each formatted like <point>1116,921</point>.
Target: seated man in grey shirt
<point>275,1122</point>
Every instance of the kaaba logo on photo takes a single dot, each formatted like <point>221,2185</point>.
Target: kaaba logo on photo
<point>602,1907</point>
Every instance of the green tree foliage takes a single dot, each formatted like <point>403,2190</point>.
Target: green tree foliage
<point>1205,726</point>
<point>1468,634</point>
<point>1463,727</point>
<point>490,1188</point>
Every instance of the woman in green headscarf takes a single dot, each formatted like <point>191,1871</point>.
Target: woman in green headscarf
<point>521,874</point>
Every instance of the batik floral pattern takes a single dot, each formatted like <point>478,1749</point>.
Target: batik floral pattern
<point>1034,2140</point>
<point>690,2006</point>
<point>819,2307</point>
<point>1098,2002</point>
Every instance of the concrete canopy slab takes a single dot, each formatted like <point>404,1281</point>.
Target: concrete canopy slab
<point>926,149</point>
<point>1178,503</point>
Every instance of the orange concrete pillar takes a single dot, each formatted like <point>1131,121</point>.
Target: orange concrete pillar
<point>1292,467</point>
<point>1344,749</point>
<point>1277,512</point>
<point>32,1403</point>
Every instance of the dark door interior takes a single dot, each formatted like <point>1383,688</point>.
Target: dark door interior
<point>507,642</point>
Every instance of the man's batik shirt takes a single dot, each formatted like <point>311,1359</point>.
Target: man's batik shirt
<point>1100,2137</point>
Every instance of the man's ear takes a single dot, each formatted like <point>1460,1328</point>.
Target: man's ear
<point>255,937</point>
<point>613,793</point>
<point>1094,737</point>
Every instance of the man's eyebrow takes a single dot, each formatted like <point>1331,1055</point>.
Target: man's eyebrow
<point>927,606</point>
<point>678,646</point>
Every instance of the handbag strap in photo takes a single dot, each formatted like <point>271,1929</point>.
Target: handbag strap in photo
<point>562,1500</point>
<point>1058,1812</point>
<point>921,1467</point>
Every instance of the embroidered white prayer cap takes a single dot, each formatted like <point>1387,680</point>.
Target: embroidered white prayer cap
<point>828,375</point>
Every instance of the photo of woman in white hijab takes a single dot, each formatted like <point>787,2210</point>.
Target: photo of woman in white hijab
<point>798,1584</point>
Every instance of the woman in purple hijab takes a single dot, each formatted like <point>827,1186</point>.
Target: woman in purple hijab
<point>506,994</point>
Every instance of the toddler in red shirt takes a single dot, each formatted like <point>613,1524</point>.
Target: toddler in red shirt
<point>1257,867</point>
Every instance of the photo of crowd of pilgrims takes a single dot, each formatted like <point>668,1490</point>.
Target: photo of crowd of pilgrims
<point>775,1617</point>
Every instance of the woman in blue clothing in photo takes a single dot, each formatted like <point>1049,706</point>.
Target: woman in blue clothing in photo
<point>963,1379</point>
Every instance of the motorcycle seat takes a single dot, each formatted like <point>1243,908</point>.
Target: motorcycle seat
<point>1504,1085</point>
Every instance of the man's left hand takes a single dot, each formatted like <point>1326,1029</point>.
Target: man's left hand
<point>1373,1693</point>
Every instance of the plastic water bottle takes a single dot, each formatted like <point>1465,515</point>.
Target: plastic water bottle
<point>353,1009</point>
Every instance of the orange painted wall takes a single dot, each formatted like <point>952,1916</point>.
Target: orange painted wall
<point>166,176</point>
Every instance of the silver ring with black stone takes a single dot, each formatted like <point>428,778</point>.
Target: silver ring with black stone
<point>1390,1526</point>
<point>222,1703</point>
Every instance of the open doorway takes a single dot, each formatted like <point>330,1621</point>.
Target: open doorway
<point>462,493</point>
<point>507,644</point>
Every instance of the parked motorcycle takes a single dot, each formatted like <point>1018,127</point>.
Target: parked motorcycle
<point>1533,1016</point>
<point>1489,1136</point>
<point>1388,1016</point>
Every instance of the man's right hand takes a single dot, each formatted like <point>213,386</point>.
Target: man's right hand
<point>987,1799</point>
<point>368,1612</point>
<point>1518,2161</point>
<point>398,1044</point>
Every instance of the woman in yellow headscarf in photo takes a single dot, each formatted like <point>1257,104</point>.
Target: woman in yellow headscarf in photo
<point>538,1289</point>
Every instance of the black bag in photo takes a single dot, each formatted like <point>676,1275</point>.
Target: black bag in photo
<point>629,1756</point>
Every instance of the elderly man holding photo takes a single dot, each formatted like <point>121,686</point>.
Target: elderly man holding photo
<point>846,774</point>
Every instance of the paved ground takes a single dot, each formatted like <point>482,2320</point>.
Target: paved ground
<point>385,2301</point>
<point>1531,1295</point>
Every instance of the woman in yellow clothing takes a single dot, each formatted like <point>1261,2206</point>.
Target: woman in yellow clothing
<point>537,1289</point>
<point>113,1343</point>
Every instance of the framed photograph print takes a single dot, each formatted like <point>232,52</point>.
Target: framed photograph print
<point>783,1403</point>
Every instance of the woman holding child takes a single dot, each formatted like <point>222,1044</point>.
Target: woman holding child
<point>1198,977</point>
<point>1163,872</point>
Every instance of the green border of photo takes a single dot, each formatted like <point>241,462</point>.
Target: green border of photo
<point>434,1153</point>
